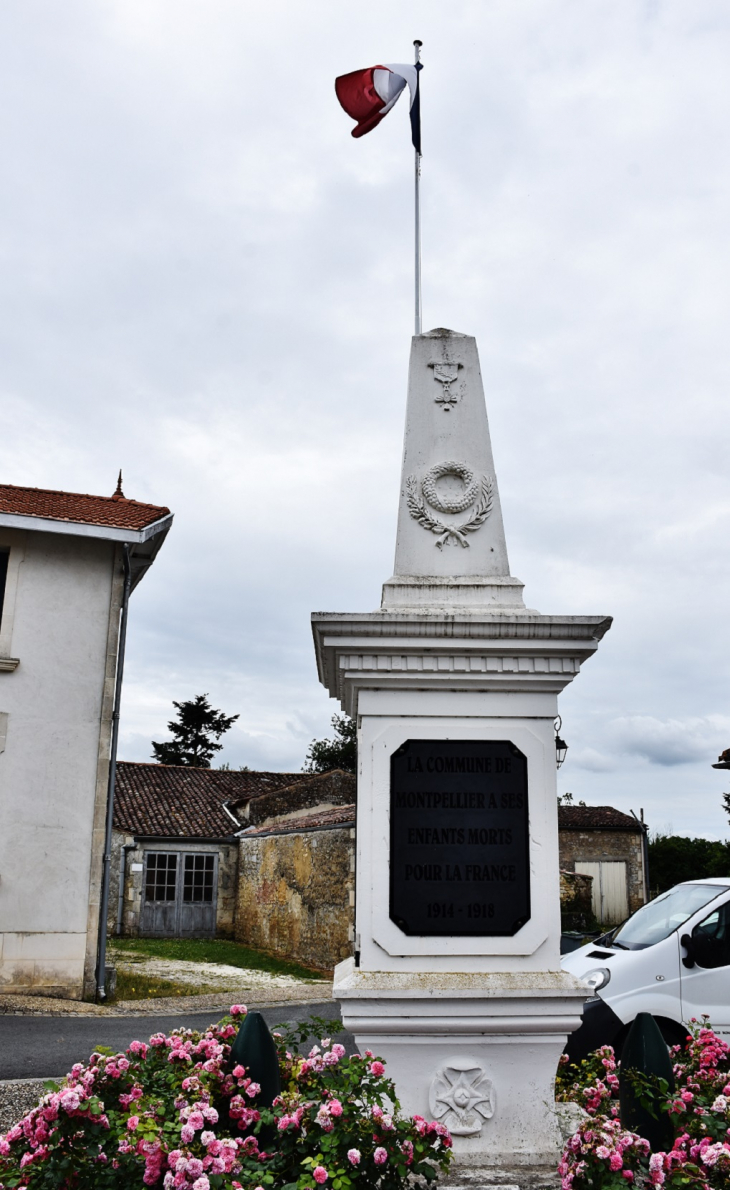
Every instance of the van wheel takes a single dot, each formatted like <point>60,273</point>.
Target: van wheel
<point>619,1039</point>
<point>672,1033</point>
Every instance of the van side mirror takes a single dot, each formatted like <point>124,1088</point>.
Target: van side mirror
<point>688,944</point>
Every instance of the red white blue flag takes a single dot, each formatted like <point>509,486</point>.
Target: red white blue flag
<point>368,95</point>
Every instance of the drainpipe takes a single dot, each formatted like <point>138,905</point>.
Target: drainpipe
<point>122,881</point>
<point>104,908</point>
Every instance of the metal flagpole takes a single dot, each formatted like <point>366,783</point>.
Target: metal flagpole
<point>417,45</point>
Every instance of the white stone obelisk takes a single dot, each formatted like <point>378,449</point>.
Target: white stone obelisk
<point>456,979</point>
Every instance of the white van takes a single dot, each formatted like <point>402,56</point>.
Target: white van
<point>671,958</point>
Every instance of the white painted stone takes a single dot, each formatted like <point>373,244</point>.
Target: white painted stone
<point>60,626</point>
<point>450,548</point>
<point>453,654</point>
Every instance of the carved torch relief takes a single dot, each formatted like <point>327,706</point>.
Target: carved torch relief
<point>462,490</point>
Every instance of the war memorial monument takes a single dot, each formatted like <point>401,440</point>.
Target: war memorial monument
<point>456,978</point>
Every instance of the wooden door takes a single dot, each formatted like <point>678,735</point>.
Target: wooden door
<point>179,897</point>
<point>198,904</point>
<point>610,899</point>
<point>158,914</point>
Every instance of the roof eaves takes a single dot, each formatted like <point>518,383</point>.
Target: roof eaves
<point>40,524</point>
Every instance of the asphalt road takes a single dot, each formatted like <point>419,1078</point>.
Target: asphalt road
<point>47,1047</point>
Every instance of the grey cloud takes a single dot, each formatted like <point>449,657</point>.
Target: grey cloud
<point>207,281</point>
<point>672,741</point>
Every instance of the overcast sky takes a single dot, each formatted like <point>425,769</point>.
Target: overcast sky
<point>207,281</point>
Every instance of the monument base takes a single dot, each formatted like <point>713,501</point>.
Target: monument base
<point>471,593</point>
<point>476,1051</point>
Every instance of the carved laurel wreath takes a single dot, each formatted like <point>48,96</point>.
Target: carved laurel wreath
<point>473,489</point>
<point>450,503</point>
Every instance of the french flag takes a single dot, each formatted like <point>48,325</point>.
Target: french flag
<point>368,95</point>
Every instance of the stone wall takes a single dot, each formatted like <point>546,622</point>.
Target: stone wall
<point>576,890</point>
<point>600,846</point>
<point>296,894</point>
<point>131,905</point>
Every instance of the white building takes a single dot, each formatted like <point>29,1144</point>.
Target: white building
<point>62,581</point>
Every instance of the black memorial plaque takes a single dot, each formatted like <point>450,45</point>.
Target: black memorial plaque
<point>459,838</point>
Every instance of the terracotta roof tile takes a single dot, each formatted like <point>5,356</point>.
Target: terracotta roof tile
<point>339,816</point>
<point>114,511</point>
<point>180,802</point>
<point>335,788</point>
<point>595,818</point>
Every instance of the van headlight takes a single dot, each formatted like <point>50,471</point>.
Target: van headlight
<point>597,979</point>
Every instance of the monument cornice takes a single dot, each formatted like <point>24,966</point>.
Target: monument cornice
<point>398,650</point>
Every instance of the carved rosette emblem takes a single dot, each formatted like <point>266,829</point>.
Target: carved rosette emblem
<point>477,494</point>
<point>462,1098</point>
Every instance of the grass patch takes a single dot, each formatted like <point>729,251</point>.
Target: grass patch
<point>213,950</point>
<point>132,985</point>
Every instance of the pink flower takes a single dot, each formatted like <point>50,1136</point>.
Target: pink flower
<point>616,1162</point>
<point>353,1156</point>
<point>201,1184</point>
<point>319,1173</point>
<point>380,1156</point>
<point>377,1069</point>
<point>335,1107</point>
<point>132,1123</point>
<point>187,1133</point>
<point>239,1071</point>
<point>238,1010</point>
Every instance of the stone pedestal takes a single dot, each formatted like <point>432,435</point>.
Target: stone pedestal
<point>456,979</point>
<point>478,1052</point>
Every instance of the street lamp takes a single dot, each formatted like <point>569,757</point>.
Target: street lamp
<point>561,747</point>
<point>723,760</point>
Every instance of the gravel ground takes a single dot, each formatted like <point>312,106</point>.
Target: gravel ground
<point>245,992</point>
<point>218,976</point>
<point>17,1098</point>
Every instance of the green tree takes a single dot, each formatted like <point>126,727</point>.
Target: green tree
<point>197,729</point>
<point>567,800</point>
<point>674,858</point>
<point>339,753</point>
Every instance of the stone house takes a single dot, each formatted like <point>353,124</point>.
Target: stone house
<point>64,558</point>
<point>182,864</point>
<point>609,846</point>
<point>175,847</point>
<point>296,884</point>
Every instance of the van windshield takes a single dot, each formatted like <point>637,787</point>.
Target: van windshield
<point>656,920</point>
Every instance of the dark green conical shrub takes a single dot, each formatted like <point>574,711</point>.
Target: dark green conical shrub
<point>645,1053</point>
<point>255,1049</point>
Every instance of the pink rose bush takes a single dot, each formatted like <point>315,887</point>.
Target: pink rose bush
<point>604,1154</point>
<point>172,1114</point>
